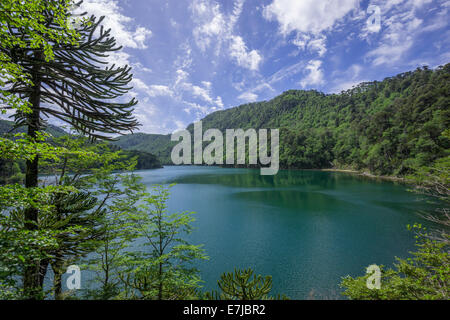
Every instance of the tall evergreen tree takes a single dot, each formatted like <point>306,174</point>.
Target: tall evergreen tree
<point>77,86</point>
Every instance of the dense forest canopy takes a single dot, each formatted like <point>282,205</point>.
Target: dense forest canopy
<point>387,127</point>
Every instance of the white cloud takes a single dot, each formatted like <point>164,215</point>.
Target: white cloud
<point>184,59</point>
<point>128,35</point>
<point>211,23</point>
<point>120,24</point>
<point>207,84</point>
<point>243,57</point>
<point>140,67</point>
<point>219,103</point>
<point>198,110</point>
<point>173,23</point>
<point>265,85</point>
<point>343,86</point>
<point>400,27</point>
<point>308,16</point>
<point>286,72</point>
<point>159,90</point>
<point>389,52</point>
<point>309,20</point>
<point>180,125</point>
<point>312,43</point>
<point>215,29</point>
<point>315,76</point>
<point>119,58</point>
<point>151,90</point>
<point>139,84</point>
<point>201,93</point>
<point>181,76</point>
<point>192,106</point>
<point>248,97</point>
<point>145,114</point>
<point>185,91</point>
<point>420,3</point>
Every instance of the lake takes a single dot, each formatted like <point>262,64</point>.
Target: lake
<point>306,229</point>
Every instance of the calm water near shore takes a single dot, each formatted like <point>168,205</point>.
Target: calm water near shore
<point>305,228</point>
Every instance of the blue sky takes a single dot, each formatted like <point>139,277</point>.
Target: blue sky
<point>193,57</point>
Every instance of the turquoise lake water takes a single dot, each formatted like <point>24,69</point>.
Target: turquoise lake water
<point>306,229</point>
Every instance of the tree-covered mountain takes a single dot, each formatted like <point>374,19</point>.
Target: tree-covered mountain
<point>387,127</point>
<point>13,171</point>
<point>8,127</point>
<point>145,160</point>
<point>157,144</point>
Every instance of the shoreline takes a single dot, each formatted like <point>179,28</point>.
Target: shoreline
<point>350,171</point>
<point>369,175</point>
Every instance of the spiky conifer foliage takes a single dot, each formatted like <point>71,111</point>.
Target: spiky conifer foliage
<point>79,86</point>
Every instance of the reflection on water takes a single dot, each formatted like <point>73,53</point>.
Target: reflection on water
<point>305,228</point>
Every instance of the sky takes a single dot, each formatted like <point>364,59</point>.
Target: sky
<point>194,57</point>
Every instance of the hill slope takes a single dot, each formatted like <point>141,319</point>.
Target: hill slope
<point>388,127</point>
<point>145,160</point>
<point>157,144</point>
<point>7,127</point>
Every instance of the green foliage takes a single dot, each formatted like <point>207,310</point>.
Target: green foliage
<point>30,17</point>
<point>24,241</point>
<point>144,160</point>
<point>241,286</point>
<point>25,27</point>
<point>10,172</point>
<point>78,85</point>
<point>20,247</point>
<point>425,276</point>
<point>56,224</point>
<point>24,147</point>
<point>118,236</point>
<point>163,268</point>
<point>159,145</point>
<point>434,182</point>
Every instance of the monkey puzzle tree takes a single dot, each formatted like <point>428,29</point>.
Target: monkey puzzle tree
<point>18,18</point>
<point>21,248</point>
<point>240,286</point>
<point>68,80</point>
<point>28,16</point>
<point>88,212</point>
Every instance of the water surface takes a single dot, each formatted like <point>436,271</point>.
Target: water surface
<point>305,228</point>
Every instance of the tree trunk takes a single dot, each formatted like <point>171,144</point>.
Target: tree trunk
<point>43,265</point>
<point>160,289</point>
<point>57,267</point>
<point>32,280</point>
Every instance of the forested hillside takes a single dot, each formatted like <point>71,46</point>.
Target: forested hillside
<point>8,127</point>
<point>157,144</point>
<point>388,127</point>
<point>13,171</point>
